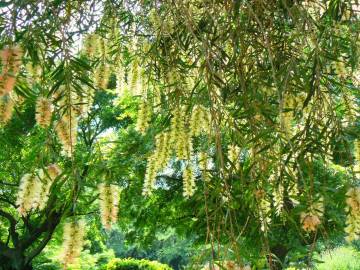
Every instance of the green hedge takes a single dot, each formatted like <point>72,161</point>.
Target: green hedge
<point>134,264</point>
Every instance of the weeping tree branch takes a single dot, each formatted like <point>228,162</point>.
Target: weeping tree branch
<point>12,228</point>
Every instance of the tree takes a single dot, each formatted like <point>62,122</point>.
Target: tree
<point>247,112</point>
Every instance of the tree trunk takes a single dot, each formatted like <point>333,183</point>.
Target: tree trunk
<point>15,261</point>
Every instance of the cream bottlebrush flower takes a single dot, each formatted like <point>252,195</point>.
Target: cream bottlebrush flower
<point>200,121</point>
<point>150,176</point>
<point>311,220</point>
<point>157,161</point>
<point>340,68</point>
<point>47,178</point>
<point>11,61</point>
<point>66,129</point>
<point>144,117</point>
<point>28,194</point>
<point>179,135</point>
<point>102,75</point>
<point>162,152</point>
<point>44,110</point>
<point>34,73</point>
<point>234,156</point>
<point>134,77</point>
<point>352,228</point>
<point>109,204</point>
<point>6,109</point>
<point>188,182</point>
<point>91,45</point>
<point>120,80</point>
<point>73,241</point>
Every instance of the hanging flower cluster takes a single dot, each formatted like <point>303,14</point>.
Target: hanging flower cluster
<point>102,75</point>
<point>47,178</point>
<point>180,135</point>
<point>352,228</point>
<point>11,61</point>
<point>178,141</point>
<point>28,194</point>
<point>310,220</point>
<point>144,117</point>
<point>34,73</point>
<point>44,110</point>
<point>135,78</point>
<point>188,181</point>
<point>91,45</point>
<point>120,80</point>
<point>66,129</point>
<point>6,108</point>
<point>73,241</point>
<point>157,161</point>
<point>200,121</point>
<point>34,189</point>
<point>109,204</point>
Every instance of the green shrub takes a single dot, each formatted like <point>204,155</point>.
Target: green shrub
<point>134,264</point>
<point>341,258</point>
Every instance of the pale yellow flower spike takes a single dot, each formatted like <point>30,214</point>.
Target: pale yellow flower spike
<point>73,241</point>
<point>44,110</point>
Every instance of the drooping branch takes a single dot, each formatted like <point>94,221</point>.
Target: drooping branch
<point>12,229</point>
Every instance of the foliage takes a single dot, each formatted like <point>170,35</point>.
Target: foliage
<point>236,123</point>
<point>133,264</point>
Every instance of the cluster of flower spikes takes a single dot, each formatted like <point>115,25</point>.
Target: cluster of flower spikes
<point>73,241</point>
<point>310,220</point>
<point>179,141</point>
<point>6,108</point>
<point>144,116</point>
<point>34,189</point>
<point>180,136</point>
<point>352,228</point>
<point>44,110</point>
<point>109,204</point>
<point>136,78</point>
<point>200,121</point>
<point>157,161</point>
<point>102,74</point>
<point>34,73</point>
<point>11,61</point>
<point>189,185</point>
<point>91,45</point>
<point>95,46</point>
<point>66,129</point>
